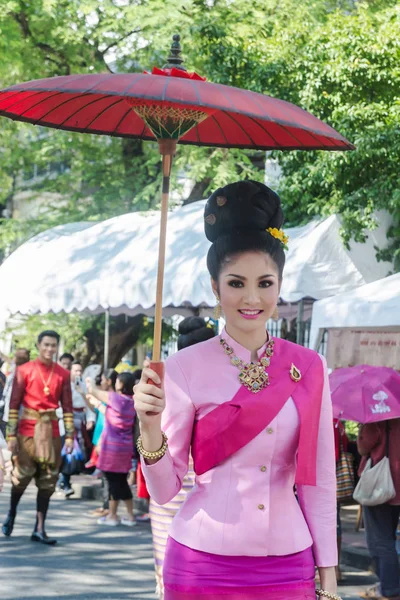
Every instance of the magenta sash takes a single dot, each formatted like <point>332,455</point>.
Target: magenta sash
<point>232,425</point>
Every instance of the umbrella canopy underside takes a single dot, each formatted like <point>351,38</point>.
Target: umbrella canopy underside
<point>108,103</point>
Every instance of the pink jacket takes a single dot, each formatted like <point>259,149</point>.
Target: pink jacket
<point>245,505</point>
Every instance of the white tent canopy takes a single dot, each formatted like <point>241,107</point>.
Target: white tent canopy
<point>111,266</point>
<point>376,304</point>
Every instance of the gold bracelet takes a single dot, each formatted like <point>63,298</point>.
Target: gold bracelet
<point>327,595</point>
<point>2,468</point>
<point>153,455</point>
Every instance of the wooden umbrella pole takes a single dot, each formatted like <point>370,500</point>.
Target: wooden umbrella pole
<point>167,149</point>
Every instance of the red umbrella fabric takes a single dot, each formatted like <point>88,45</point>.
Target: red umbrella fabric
<point>224,116</point>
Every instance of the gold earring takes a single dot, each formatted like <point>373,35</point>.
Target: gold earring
<point>275,314</point>
<point>217,310</point>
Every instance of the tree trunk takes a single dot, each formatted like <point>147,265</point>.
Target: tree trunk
<point>124,334</point>
<point>198,191</point>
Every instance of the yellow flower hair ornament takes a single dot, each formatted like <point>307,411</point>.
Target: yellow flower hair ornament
<point>279,235</point>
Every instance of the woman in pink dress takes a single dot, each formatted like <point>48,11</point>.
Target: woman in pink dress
<point>115,459</point>
<point>255,413</point>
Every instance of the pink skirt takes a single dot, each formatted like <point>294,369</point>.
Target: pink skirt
<point>190,574</point>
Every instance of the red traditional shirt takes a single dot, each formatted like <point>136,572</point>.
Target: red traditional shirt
<point>30,382</point>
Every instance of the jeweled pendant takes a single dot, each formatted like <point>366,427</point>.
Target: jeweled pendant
<point>252,375</point>
<point>46,390</point>
<point>255,385</point>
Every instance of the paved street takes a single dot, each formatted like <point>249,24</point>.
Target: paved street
<point>355,582</point>
<point>90,562</point>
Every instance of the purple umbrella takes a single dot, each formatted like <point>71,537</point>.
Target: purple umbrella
<point>365,394</point>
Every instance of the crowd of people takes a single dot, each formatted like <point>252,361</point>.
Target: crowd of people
<point>59,425</point>
<point>237,448</point>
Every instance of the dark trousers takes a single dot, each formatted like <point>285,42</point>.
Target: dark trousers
<point>106,493</point>
<point>380,526</point>
<point>118,486</point>
<point>65,481</point>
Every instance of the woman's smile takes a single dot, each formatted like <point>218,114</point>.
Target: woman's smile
<point>250,314</point>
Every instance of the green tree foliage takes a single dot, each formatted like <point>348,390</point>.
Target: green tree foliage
<point>340,62</point>
<point>101,176</point>
<point>349,75</point>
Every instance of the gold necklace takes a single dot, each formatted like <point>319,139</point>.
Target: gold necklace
<point>252,375</point>
<point>46,389</point>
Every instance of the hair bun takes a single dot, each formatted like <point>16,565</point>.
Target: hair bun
<point>190,324</point>
<point>193,330</point>
<point>244,205</point>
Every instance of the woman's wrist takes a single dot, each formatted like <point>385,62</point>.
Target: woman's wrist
<point>327,576</point>
<point>152,438</point>
<point>152,456</point>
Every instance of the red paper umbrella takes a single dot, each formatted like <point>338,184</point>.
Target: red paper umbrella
<point>170,106</point>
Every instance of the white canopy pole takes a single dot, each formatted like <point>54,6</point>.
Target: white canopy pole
<point>300,325</point>
<point>106,338</point>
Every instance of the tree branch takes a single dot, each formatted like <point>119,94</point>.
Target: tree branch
<point>22,20</point>
<point>97,55</point>
<point>121,39</point>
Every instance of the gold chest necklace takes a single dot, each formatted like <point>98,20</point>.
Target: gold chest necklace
<point>252,375</point>
<point>46,384</point>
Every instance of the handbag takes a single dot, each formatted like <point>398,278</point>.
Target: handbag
<point>376,483</point>
<point>345,475</point>
<point>72,463</point>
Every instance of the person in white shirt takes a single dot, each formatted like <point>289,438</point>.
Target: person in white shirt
<point>3,446</point>
<point>84,418</point>
<point>22,356</point>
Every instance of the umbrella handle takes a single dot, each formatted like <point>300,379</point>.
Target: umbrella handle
<point>158,367</point>
<point>167,150</point>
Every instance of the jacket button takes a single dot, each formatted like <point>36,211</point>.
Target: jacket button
<point>270,430</point>
<point>263,468</point>
<point>261,507</point>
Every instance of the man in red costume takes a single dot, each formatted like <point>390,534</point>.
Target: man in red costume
<point>40,387</point>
